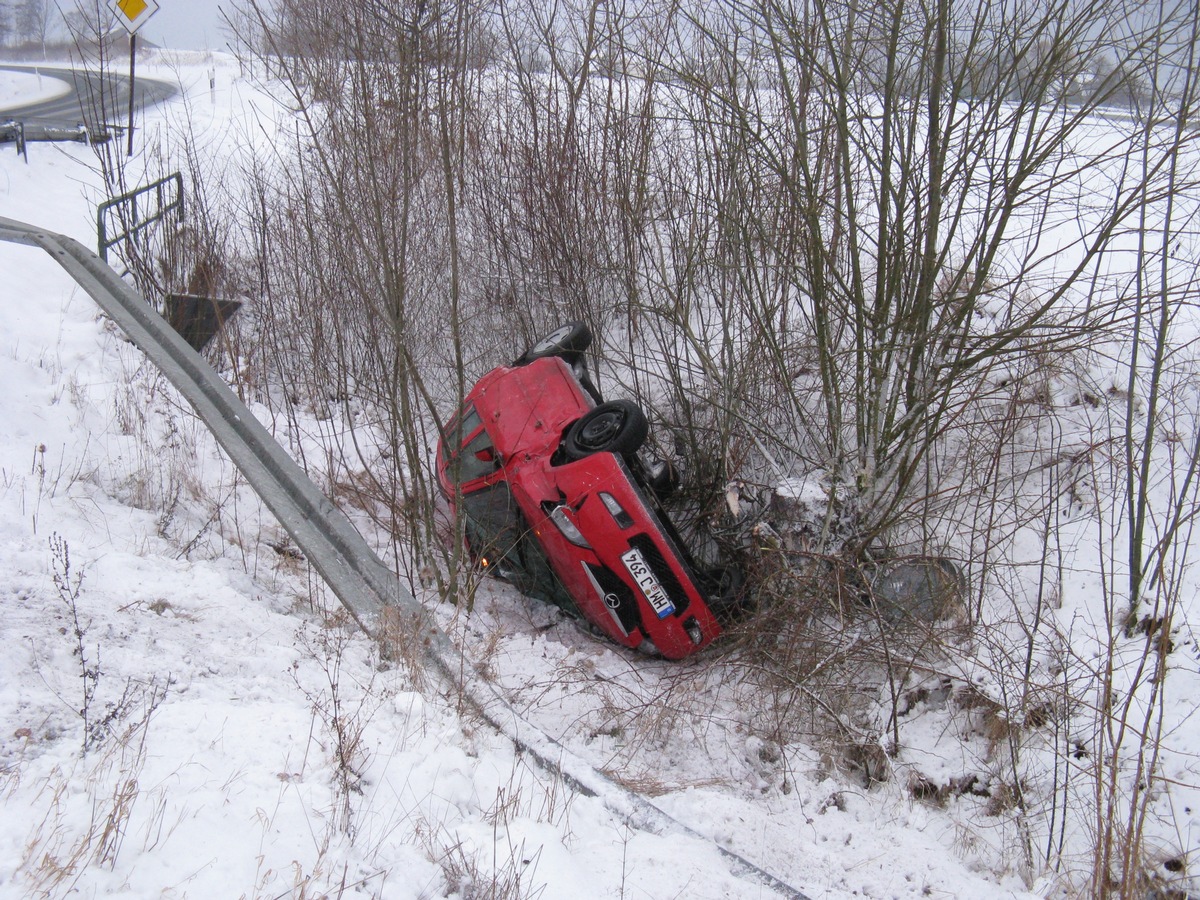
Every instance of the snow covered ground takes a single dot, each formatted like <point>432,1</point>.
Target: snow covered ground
<point>19,88</point>
<point>178,719</point>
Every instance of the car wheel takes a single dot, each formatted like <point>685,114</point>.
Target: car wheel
<point>569,340</point>
<point>662,478</point>
<point>729,596</point>
<point>616,427</point>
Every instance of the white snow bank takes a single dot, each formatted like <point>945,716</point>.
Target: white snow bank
<point>20,88</point>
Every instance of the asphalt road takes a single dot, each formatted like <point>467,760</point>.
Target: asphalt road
<point>94,99</point>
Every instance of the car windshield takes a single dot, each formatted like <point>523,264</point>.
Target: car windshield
<point>500,537</point>
<point>478,458</point>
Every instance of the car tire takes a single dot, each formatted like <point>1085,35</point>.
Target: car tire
<point>618,426</point>
<point>730,595</point>
<point>569,341</point>
<point>662,478</point>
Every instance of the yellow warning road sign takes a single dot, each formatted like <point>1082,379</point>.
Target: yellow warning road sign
<point>134,13</point>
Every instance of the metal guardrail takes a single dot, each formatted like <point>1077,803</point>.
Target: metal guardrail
<point>14,132</point>
<point>134,221</point>
<point>369,590</point>
<point>354,573</point>
<point>23,133</point>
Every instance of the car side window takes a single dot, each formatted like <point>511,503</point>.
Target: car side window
<point>477,457</point>
<point>461,426</point>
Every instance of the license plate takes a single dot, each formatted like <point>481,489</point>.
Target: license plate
<point>648,582</point>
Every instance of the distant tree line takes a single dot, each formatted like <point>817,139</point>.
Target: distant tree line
<point>28,22</point>
<point>39,26</point>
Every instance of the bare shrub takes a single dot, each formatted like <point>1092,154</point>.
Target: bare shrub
<point>509,873</point>
<point>57,852</point>
<point>99,721</point>
<point>500,865</point>
<point>343,705</point>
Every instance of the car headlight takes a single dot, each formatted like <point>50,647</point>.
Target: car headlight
<point>569,529</point>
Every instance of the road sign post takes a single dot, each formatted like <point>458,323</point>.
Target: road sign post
<point>133,15</point>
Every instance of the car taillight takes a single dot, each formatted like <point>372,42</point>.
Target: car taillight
<point>569,530</point>
<point>692,627</point>
<point>622,518</point>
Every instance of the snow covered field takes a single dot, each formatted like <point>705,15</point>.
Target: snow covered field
<point>178,720</point>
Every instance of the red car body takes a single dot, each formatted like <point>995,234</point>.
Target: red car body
<point>583,533</point>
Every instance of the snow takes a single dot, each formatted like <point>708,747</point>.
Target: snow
<point>231,693</point>
<point>19,88</point>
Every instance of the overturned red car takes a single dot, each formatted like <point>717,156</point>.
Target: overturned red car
<point>556,499</point>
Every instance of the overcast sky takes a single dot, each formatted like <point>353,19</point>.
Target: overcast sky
<point>187,25</point>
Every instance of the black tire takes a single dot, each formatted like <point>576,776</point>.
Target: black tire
<point>729,595</point>
<point>569,341</point>
<point>619,426</point>
<point>662,478</point>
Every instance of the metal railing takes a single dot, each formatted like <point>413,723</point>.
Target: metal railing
<point>24,133</point>
<point>161,197</point>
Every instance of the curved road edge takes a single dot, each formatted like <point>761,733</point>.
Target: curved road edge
<point>88,92</point>
<point>368,589</point>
